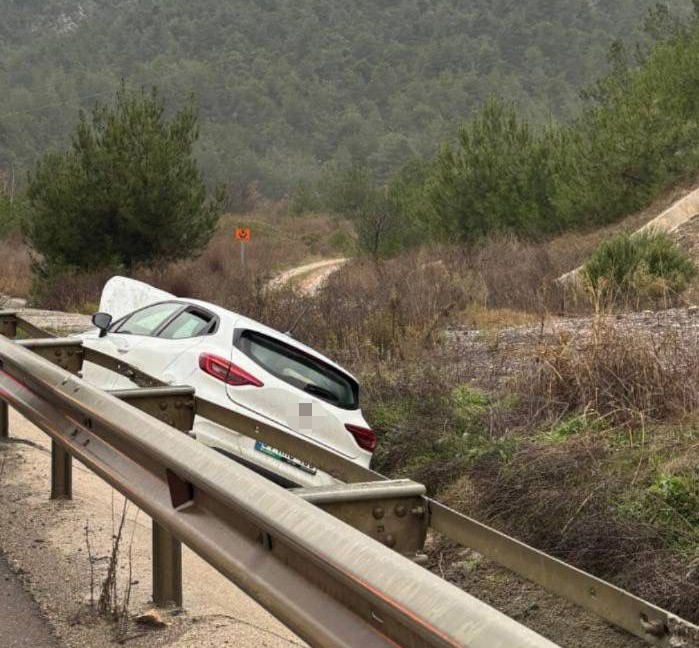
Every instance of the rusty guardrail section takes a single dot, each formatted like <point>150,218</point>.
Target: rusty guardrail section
<point>328,582</point>
<point>656,626</point>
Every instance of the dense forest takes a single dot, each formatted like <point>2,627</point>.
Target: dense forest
<point>637,134</point>
<point>286,88</point>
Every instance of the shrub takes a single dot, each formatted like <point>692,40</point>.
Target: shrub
<point>670,503</point>
<point>563,498</point>
<point>127,191</point>
<point>427,429</point>
<point>634,268</point>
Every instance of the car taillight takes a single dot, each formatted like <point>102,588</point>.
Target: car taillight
<point>226,371</point>
<point>364,437</point>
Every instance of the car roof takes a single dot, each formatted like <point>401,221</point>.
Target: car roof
<point>241,321</point>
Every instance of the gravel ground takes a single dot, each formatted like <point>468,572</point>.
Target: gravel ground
<point>57,322</point>
<point>548,614</point>
<point>490,357</point>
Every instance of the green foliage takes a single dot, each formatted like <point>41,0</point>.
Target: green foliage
<point>495,179</point>
<point>573,426</point>
<point>347,192</point>
<point>670,503</point>
<point>469,406</point>
<point>340,241</point>
<point>638,133</point>
<point>388,219</point>
<point>127,191</point>
<point>305,200</point>
<point>647,265</point>
<point>11,210</point>
<point>285,87</point>
<point>680,496</point>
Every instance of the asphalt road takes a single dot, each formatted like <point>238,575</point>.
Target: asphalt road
<point>22,625</point>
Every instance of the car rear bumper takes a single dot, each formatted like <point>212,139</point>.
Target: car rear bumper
<point>273,464</point>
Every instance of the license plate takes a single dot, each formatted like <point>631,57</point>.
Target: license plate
<point>280,455</point>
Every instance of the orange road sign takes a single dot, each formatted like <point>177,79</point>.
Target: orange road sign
<point>242,233</point>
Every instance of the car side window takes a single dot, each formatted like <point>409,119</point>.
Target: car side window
<point>188,324</point>
<point>148,319</point>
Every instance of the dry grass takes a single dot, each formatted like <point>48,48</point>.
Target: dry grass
<point>514,274</point>
<point>629,377</point>
<point>15,269</point>
<point>217,275</point>
<point>386,308</point>
<point>487,319</point>
<point>387,311</point>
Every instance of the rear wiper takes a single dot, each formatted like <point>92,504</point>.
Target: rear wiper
<point>319,391</point>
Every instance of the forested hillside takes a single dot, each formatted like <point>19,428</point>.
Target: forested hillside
<point>285,87</point>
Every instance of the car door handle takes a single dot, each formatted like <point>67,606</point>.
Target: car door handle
<point>123,349</point>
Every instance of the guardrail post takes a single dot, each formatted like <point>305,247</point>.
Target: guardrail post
<point>167,567</point>
<point>61,472</point>
<point>4,420</point>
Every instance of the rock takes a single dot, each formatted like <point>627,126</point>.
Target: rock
<point>152,619</point>
<point>15,303</point>
<point>693,310</point>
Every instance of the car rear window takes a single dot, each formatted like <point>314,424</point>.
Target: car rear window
<point>300,370</point>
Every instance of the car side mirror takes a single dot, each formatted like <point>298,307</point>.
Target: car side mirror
<point>102,321</point>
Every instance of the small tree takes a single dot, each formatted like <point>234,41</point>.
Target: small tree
<point>127,191</point>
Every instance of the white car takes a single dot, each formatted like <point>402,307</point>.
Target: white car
<point>238,363</point>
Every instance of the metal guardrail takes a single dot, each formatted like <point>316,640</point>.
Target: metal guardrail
<point>651,623</point>
<point>326,581</point>
<point>656,626</point>
<point>10,322</point>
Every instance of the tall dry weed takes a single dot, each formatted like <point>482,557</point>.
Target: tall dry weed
<point>628,376</point>
<point>15,268</point>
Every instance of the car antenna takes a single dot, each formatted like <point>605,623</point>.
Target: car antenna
<point>293,326</point>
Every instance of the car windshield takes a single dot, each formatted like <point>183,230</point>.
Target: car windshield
<point>300,370</point>
<point>148,319</point>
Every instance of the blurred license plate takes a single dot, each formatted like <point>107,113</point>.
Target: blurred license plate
<point>280,455</point>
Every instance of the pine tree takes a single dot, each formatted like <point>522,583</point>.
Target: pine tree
<point>127,191</point>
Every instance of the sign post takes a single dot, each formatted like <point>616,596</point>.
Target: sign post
<point>242,234</point>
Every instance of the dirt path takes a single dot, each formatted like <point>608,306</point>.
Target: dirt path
<point>309,277</point>
<point>45,541</point>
